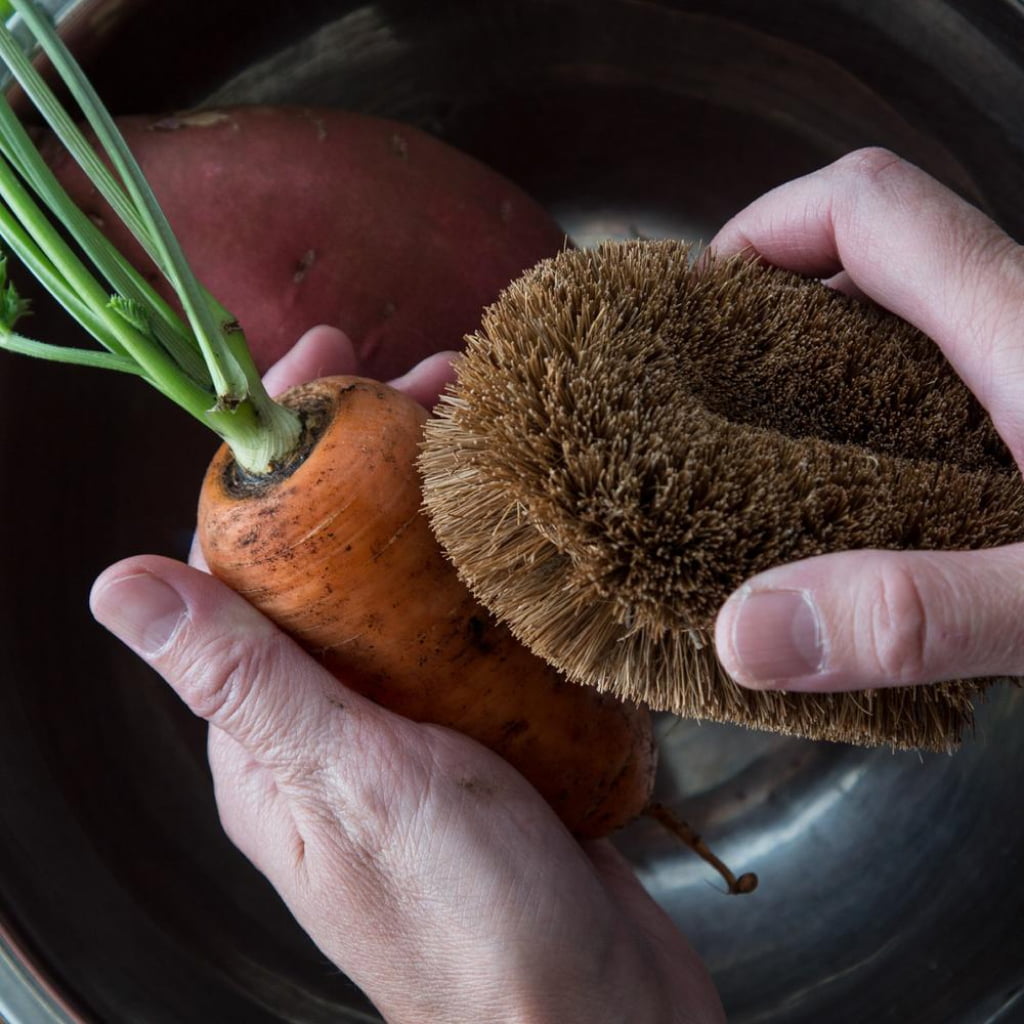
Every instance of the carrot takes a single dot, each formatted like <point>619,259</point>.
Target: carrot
<point>312,507</point>
<point>337,551</point>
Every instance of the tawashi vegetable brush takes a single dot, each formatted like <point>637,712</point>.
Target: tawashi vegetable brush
<point>634,432</point>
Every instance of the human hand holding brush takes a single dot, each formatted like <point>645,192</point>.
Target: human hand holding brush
<point>880,227</point>
<point>641,433</point>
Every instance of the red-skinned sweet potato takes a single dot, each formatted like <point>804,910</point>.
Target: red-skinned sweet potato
<point>297,216</point>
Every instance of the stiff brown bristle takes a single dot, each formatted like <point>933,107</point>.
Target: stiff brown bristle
<point>633,434</point>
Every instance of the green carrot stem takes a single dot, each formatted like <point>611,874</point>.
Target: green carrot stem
<point>229,378</point>
<point>62,354</point>
<point>204,366</point>
<point>30,166</point>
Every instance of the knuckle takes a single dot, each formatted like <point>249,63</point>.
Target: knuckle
<point>870,166</point>
<point>898,625</point>
<point>394,797</point>
<point>223,674</point>
<point>305,772</point>
<point>381,793</point>
<point>863,182</point>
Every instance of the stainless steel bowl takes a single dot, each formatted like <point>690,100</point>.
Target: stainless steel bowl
<point>890,884</point>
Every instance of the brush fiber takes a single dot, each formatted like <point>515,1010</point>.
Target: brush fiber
<point>629,439</point>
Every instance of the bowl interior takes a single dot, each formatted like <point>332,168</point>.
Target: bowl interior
<point>888,881</point>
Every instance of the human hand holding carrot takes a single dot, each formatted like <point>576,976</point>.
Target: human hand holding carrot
<point>422,864</point>
<point>861,619</point>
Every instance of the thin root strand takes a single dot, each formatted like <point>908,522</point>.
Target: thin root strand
<point>746,883</point>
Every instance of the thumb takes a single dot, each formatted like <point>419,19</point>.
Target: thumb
<point>230,665</point>
<point>864,619</point>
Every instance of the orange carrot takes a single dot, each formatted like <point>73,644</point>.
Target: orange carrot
<point>336,550</point>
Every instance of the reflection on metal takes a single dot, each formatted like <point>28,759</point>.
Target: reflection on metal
<point>28,994</point>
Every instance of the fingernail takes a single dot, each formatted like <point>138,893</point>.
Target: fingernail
<point>141,610</point>
<point>776,636</point>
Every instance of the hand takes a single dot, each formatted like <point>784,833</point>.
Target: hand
<point>874,224</point>
<point>420,863</point>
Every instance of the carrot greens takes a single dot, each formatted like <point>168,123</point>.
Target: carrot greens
<point>200,360</point>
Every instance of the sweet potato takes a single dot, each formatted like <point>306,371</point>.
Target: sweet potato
<point>297,216</point>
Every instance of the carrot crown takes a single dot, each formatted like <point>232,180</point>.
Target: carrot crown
<point>199,359</point>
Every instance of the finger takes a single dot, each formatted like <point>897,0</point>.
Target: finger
<point>917,249</point>
<point>229,664</point>
<point>296,757</point>
<point>864,619</point>
<point>427,379</point>
<point>321,352</point>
